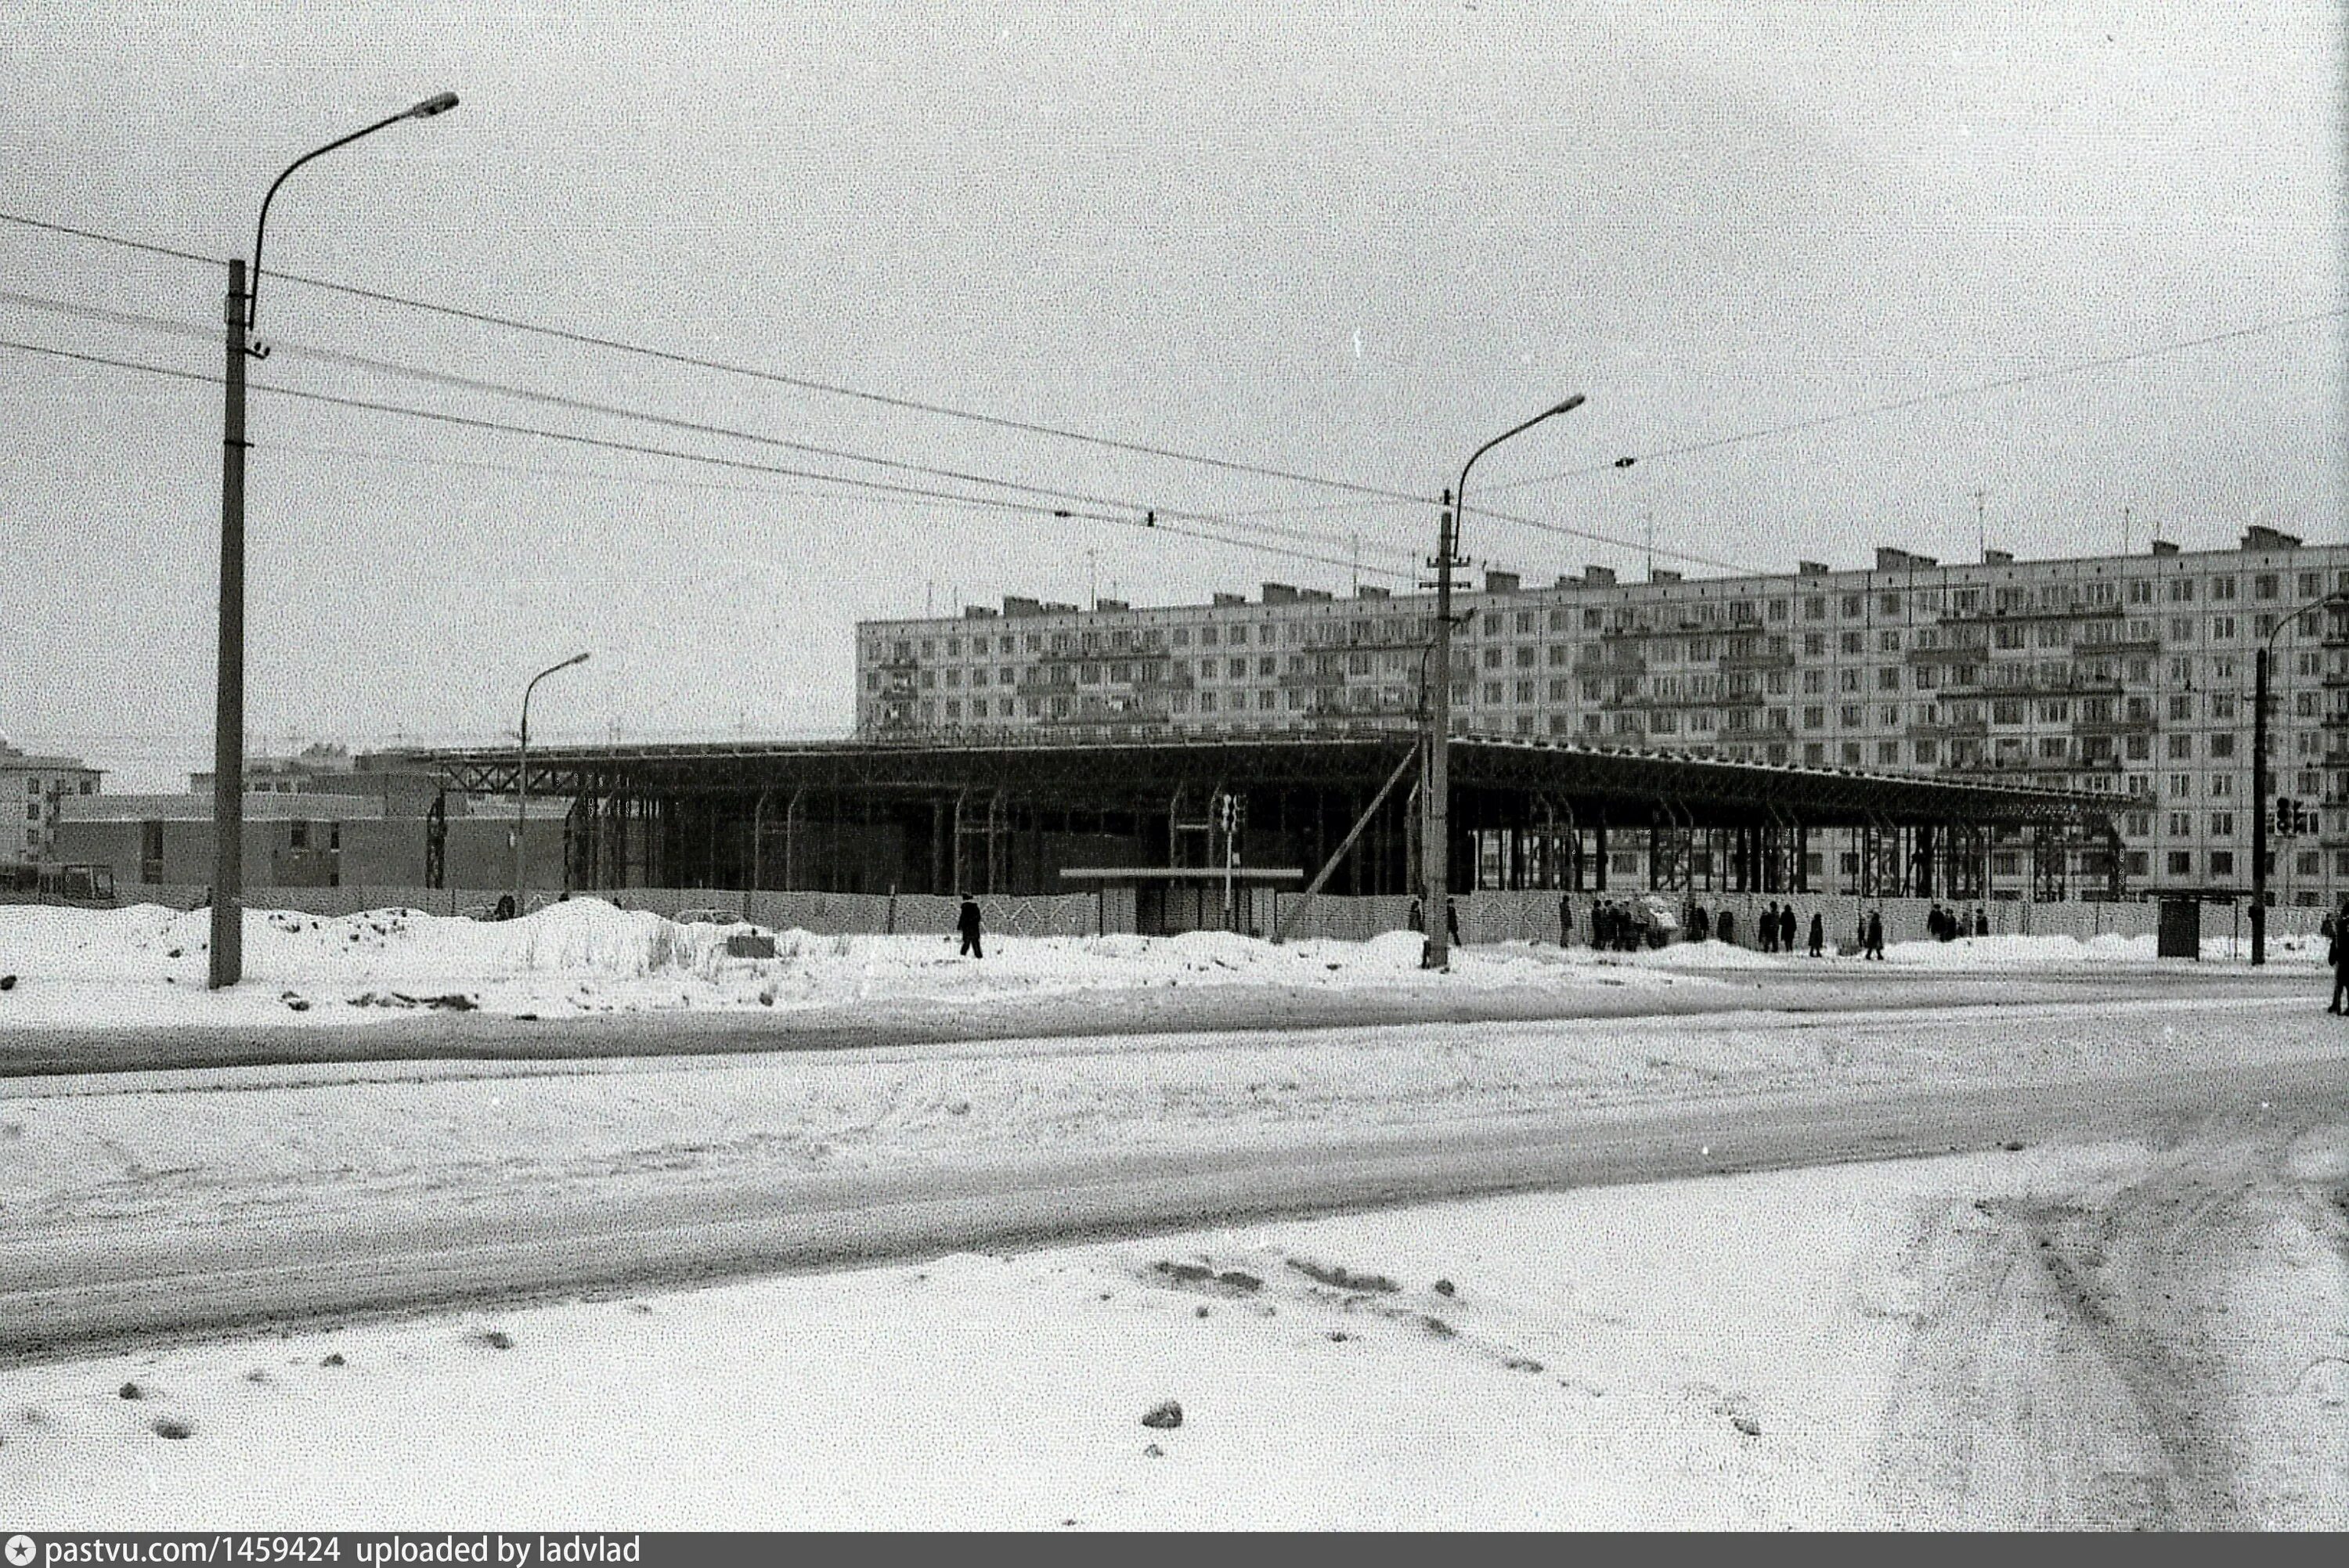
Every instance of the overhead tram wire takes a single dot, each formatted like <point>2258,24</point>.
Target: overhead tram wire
<point>883,400</point>
<point>1139,518</point>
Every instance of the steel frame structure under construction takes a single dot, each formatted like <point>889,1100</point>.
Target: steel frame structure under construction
<point>1008,818</point>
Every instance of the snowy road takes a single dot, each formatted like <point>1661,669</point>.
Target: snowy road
<point>915,1018</point>
<point>147,1205</point>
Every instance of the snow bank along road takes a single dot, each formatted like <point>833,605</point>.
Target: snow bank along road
<point>124,988</point>
<point>136,1204</point>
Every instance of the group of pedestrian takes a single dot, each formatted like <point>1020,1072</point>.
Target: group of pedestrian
<point>1776,927</point>
<point>1615,927</point>
<point>1869,937</point>
<point>1949,925</point>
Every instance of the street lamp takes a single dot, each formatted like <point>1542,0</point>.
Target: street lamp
<point>1434,806</point>
<point>2260,783</point>
<point>521,783</point>
<point>227,963</point>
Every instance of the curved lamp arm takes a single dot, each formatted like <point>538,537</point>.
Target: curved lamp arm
<point>440,103</point>
<point>551,669</point>
<point>1460,492</point>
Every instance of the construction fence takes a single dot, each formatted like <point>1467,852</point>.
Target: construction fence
<point>1483,917</point>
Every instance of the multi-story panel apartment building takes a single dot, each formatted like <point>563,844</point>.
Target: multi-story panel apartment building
<point>32,789</point>
<point>2127,675</point>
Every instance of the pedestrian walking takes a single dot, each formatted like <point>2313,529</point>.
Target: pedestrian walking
<point>968,923</point>
<point>1769,927</point>
<point>1418,916</point>
<point>1724,926</point>
<point>1564,920</point>
<point>2338,953</point>
<point>1700,926</point>
<point>1451,921</point>
<point>1982,922</point>
<point>1876,933</point>
<point>1818,932</point>
<point>1787,928</point>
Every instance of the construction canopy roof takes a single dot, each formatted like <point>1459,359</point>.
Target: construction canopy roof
<point>1596,782</point>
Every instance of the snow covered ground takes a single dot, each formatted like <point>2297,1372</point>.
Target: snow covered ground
<point>1740,1352</point>
<point>146,965</point>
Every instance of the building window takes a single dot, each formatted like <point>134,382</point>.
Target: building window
<point>2223,862</point>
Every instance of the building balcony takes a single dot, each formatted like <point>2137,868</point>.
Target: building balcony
<point>1609,663</point>
<point>2033,613</point>
<point>1743,662</point>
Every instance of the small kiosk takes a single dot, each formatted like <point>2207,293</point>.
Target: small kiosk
<point>1165,901</point>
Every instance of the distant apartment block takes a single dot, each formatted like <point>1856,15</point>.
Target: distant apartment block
<point>33,790</point>
<point>2127,675</point>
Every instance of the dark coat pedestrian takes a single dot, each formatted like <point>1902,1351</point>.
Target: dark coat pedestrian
<point>1700,926</point>
<point>1819,934</point>
<point>1418,916</point>
<point>1787,929</point>
<point>1564,921</point>
<point>2338,955</point>
<point>968,923</point>
<point>1766,928</point>
<point>1876,933</point>
<point>1981,923</point>
<point>1724,926</point>
<point>1451,921</point>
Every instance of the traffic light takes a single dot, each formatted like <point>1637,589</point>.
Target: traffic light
<point>2288,816</point>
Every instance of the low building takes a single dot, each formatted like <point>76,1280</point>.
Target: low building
<point>310,837</point>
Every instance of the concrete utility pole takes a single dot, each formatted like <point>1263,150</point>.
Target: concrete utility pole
<point>1436,801</point>
<point>227,957</point>
<point>2262,778</point>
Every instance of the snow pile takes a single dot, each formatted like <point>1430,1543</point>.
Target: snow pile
<point>148,964</point>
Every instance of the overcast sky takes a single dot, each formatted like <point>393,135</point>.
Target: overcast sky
<point>1348,241</point>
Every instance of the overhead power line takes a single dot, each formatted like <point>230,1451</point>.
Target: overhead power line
<point>581,404</point>
<point>1136,518</point>
<point>775,377</point>
<point>882,399</point>
<point>1973,389</point>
